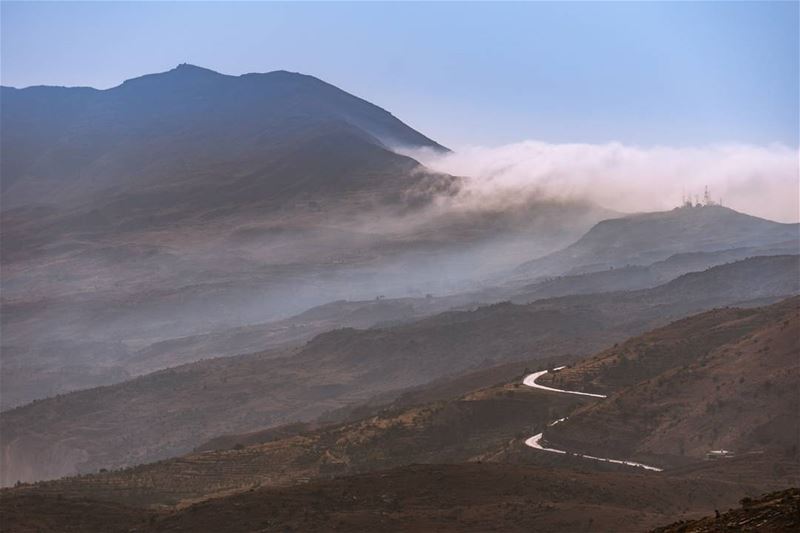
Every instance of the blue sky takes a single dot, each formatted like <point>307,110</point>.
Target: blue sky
<point>640,73</point>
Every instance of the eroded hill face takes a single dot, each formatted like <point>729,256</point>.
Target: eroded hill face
<point>728,379</point>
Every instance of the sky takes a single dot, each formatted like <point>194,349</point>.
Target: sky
<point>465,74</point>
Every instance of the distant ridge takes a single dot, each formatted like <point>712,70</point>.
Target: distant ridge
<point>645,238</point>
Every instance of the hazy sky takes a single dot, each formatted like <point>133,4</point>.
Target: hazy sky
<point>639,73</point>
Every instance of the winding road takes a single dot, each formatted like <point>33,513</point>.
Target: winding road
<point>535,442</point>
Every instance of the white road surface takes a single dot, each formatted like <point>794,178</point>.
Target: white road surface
<point>535,442</point>
<point>530,381</point>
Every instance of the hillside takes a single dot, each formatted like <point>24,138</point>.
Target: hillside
<point>645,238</point>
<point>456,428</point>
<point>727,379</point>
<point>128,423</point>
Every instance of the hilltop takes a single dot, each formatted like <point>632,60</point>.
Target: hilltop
<point>645,238</point>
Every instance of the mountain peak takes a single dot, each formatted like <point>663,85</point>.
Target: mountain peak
<point>187,69</point>
<point>184,73</point>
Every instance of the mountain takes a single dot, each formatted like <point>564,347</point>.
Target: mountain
<point>645,238</point>
<point>186,203</point>
<point>250,138</point>
<point>87,430</point>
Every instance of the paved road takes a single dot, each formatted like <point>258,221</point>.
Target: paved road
<point>535,442</point>
<point>530,381</point>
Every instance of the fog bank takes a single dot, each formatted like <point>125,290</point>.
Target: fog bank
<point>758,180</point>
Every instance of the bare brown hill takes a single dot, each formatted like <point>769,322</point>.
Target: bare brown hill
<point>439,390</point>
<point>458,429</point>
<point>728,379</point>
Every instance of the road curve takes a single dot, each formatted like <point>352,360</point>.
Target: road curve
<point>535,442</point>
<point>530,381</point>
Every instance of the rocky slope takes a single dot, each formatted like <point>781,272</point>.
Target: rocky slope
<point>777,512</point>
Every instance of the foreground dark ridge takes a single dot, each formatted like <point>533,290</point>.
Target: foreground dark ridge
<point>777,512</point>
<point>448,498</point>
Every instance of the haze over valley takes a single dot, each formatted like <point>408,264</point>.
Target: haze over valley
<point>254,300</point>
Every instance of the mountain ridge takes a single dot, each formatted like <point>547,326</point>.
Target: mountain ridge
<point>645,238</point>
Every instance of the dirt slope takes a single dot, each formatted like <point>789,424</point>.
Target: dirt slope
<point>728,379</point>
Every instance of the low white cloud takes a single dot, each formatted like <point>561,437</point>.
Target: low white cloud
<point>759,180</point>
